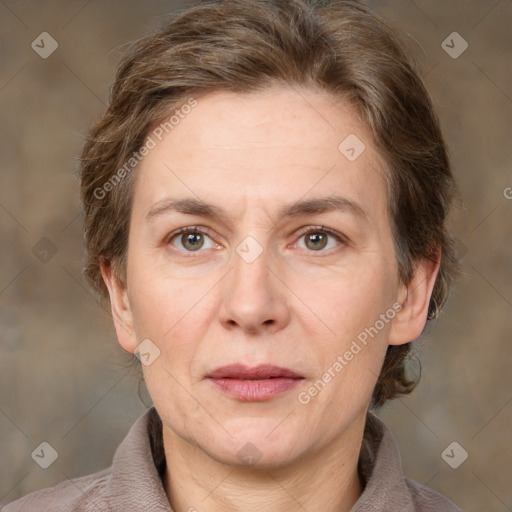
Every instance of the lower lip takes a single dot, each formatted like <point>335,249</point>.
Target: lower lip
<point>255,390</point>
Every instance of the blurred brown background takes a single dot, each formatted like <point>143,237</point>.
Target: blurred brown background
<point>64,379</point>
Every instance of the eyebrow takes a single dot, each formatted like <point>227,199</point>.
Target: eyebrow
<point>193,206</point>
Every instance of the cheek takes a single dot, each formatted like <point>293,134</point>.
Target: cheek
<point>170,313</point>
<point>356,306</point>
<point>349,300</point>
<point>162,304</point>
<point>349,369</point>
<point>173,316</point>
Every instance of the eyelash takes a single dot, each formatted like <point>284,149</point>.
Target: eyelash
<point>310,229</point>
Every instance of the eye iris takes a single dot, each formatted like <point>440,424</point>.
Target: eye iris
<point>316,237</point>
<point>195,240</point>
<point>192,241</point>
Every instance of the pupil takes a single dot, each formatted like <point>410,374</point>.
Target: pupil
<point>317,237</point>
<point>193,240</point>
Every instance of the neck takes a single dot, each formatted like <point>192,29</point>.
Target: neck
<point>326,480</point>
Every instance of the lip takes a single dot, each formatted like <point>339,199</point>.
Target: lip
<point>251,384</point>
<point>242,372</point>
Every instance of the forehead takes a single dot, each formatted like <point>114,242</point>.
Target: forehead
<point>279,116</point>
<point>279,143</point>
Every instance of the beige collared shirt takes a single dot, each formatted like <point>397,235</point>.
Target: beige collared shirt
<point>134,481</point>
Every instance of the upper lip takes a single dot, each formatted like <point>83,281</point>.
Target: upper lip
<point>242,372</point>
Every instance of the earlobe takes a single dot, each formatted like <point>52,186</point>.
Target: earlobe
<point>120,307</point>
<point>409,323</point>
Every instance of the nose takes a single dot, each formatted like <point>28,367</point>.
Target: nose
<point>254,296</point>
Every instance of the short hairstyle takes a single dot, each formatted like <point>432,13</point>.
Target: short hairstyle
<point>339,47</point>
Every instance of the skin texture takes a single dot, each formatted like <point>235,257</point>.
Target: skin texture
<point>300,304</point>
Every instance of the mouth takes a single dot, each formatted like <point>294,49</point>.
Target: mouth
<point>258,383</point>
<point>263,371</point>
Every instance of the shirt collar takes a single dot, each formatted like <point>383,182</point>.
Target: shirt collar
<point>139,465</point>
<point>381,472</point>
<point>135,483</point>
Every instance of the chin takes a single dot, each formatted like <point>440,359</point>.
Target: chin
<point>252,446</point>
<point>255,456</point>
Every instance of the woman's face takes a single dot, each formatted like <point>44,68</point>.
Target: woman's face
<point>256,285</point>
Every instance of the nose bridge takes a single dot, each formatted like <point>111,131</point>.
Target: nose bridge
<point>251,299</point>
<point>252,254</point>
<point>251,259</point>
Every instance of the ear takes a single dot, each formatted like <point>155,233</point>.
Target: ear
<point>120,305</point>
<point>414,297</point>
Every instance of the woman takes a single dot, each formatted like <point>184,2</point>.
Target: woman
<point>265,202</point>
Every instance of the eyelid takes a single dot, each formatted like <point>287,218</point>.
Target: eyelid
<point>313,229</point>
<point>186,229</point>
<point>189,229</point>
<point>343,240</point>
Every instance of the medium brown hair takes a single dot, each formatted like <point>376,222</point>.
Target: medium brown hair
<point>339,47</point>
